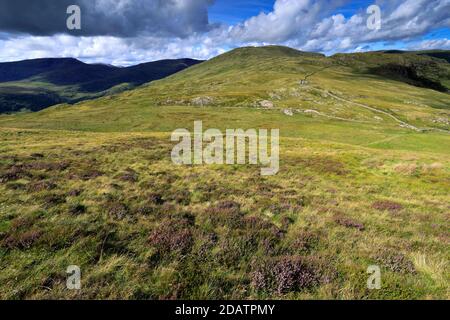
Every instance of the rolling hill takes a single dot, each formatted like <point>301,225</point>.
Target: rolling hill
<point>356,87</point>
<point>39,83</point>
<point>364,179</point>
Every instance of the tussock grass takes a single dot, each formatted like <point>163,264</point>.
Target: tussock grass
<point>93,185</point>
<point>140,227</point>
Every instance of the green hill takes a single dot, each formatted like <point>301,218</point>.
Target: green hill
<point>364,179</point>
<point>354,87</point>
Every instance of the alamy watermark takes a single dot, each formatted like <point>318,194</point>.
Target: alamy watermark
<point>374,280</point>
<point>374,20</point>
<point>73,22</point>
<point>208,147</point>
<point>73,281</point>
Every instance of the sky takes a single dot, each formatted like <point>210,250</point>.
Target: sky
<point>128,32</point>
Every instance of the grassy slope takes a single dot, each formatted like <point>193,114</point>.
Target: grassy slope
<point>101,192</point>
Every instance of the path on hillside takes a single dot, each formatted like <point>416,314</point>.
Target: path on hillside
<point>309,75</point>
<point>402,123</point>
<point>333,117</point>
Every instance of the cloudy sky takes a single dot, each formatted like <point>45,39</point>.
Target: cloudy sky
<point>125,32</point>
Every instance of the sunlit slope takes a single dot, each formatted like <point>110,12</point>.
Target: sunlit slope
<point>286,78</point>
<point>339,88</point>
<point>94,185</point>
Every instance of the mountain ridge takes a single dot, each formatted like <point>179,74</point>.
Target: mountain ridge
<point>208,82</point>
<point>341,88</point>
<point>38,83</point>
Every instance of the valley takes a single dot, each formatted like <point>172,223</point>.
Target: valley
<point>33,85</point>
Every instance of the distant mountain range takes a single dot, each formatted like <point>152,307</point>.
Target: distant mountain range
<point>383,88</point>
<point>39,83</point>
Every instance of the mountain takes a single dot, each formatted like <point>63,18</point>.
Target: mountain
<point>427,69</point>
<point>403,89</point>
<point>39,83</point>
<point>363,181</point>
<point>382,88</point>
<point>440,54</point>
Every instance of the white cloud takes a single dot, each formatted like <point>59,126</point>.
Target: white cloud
<point>309,25</point>
<point>107,49</point>
<point>431,44</point>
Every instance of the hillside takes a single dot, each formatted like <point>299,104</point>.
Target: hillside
<point>342,87</point>
<point>364,179</point>
<point>427,69</point>
<point>39,83</point>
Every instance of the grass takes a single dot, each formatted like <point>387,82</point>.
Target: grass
<point>93,185</point>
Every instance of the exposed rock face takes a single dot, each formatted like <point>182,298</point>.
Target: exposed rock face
<point>266,104</point>
<point>202,101</point>
<point>311,111</point>
<point>288,112</point>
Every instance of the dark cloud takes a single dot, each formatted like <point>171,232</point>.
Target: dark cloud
<point>144,30</point>
<point>123,18</point>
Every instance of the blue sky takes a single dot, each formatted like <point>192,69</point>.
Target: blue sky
<point>235,11</point>
<point>232,12</point>
<point>125,32</point>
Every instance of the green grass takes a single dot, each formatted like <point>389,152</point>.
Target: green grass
<point>93,185</point>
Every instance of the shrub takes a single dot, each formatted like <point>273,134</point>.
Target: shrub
<point>51,200</point>
<point>14,173</point>
<point>255,223</point>
<point>395,261</point>
<point>285,274</point>
<point>225,213</point>
<point>171,238</point>
<point>49,166</point>
<point>348,223</point>
<point>387,205</point>
<point>118,210</point>
<point>22,240</point>
<point>293,273</point>
<point>182,197</point>
<point>129,175</point>
<point>208,241</point>
<point>41,186</point>
<point>264,233</point>
<point>77,208</point>
<point>233,249</point>
<point>147,209</point>
<point>90,174</point>
<point>212,191</point>
<point>16,186</point>
<point>74,193</point>
<point>22,222</point>
<point>155,198</point>
<point>37,155</point>
<point>286,222</point>
<point>305,241</point>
